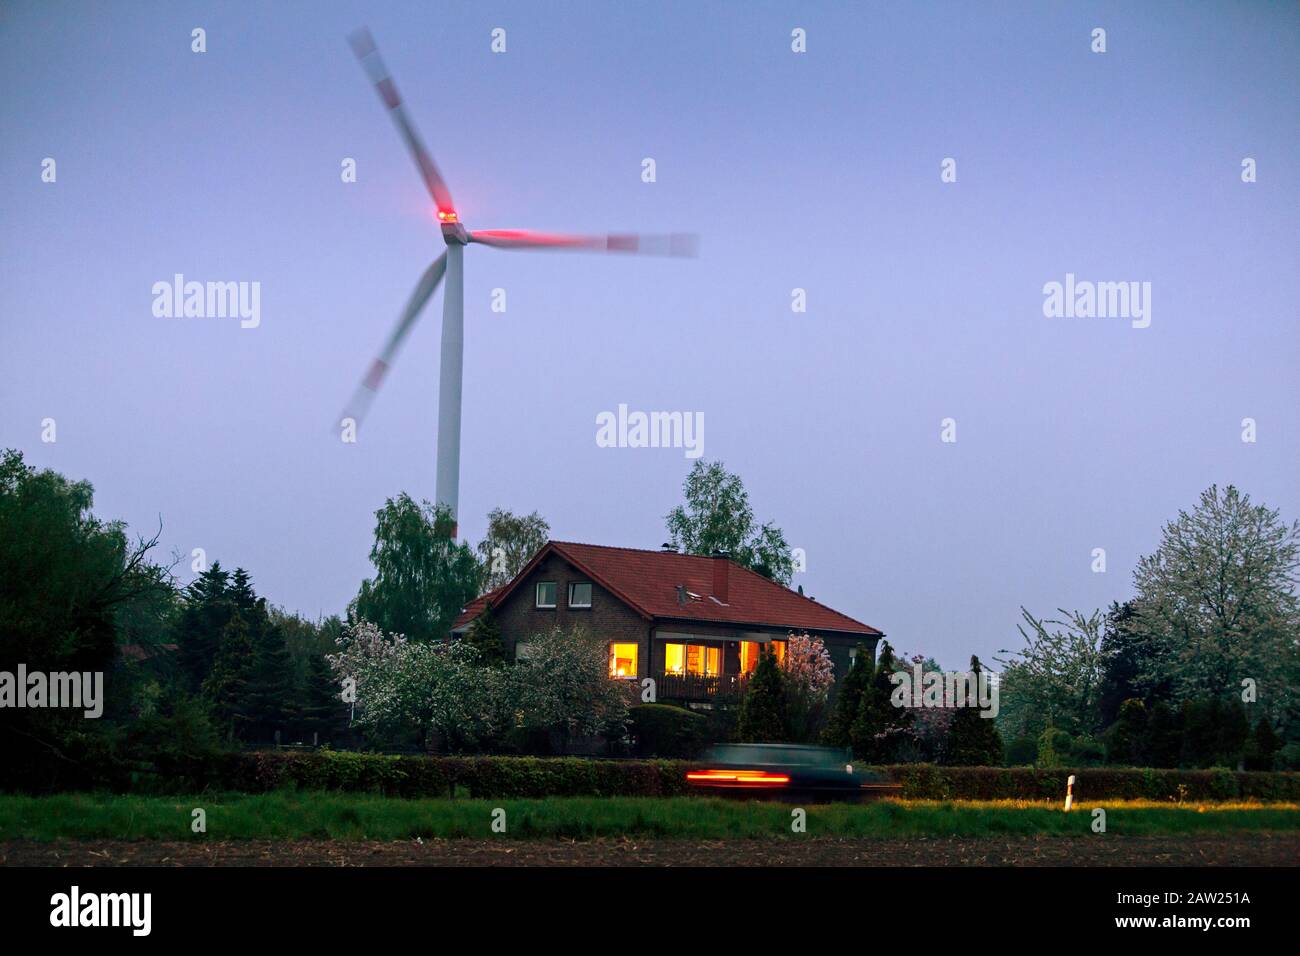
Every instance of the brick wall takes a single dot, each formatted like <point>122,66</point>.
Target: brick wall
<point>608,617</point>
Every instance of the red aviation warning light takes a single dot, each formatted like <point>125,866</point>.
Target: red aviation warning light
<point>448,215</point>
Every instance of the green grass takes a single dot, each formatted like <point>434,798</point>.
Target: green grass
<point>294,815</point>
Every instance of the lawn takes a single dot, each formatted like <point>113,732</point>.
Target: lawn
<point>338,816</point>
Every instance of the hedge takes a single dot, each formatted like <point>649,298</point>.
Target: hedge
<point>926,781</point>
<point>422,776</point>
<point>425,776</point>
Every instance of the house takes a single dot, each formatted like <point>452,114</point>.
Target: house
<point>694,624</point>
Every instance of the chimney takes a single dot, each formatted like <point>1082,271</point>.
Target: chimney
<point>721,575</point>
<point>669,547</point>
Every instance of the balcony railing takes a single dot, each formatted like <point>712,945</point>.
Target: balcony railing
<point>697,687</point>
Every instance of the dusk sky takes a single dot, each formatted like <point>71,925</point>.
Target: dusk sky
<point>817,170</point>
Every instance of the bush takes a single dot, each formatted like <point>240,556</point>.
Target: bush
<point>661,730</point>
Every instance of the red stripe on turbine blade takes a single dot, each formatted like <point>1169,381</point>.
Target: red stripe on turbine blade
<point>622,243</point>
<point>378,369</point>
<point>388,91</point>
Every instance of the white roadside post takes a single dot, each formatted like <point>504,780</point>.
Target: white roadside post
<point>1069,793</point>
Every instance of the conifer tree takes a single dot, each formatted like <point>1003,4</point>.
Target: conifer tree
<point>205,614</point>
<point>880,729</point>
<point>226,687</point>
<point>973,740</point>
<point>762,710</point>
<point>848,698</point>
<point>270,703</point>
<point>1262,747</point>
<point>484,634</point>
<point>323,712</point>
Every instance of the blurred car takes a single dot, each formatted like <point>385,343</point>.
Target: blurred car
<point>786,771</point>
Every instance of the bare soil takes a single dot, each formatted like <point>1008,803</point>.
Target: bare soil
<point>1246,849</point>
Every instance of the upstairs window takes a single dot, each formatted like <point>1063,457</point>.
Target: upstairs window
<point>580,594</point>
<point>546,594</point>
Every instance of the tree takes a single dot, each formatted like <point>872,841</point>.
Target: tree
<point>1214,733</point>
<point>1164,736</point>
<point>809,677</point>
<point>1128,662</point>
<point>423,578</point>
<point>973,739</point>
<point>763,716</point>
<point>848,699</point>
<point>930,724</point>
<point>272,705</point>
<point>882,728</point>
<point>484,634</point>
<point>1262,748</point>
<point>1216,602</point>
<point>717,517</point>
<point>1126,738</point>
<point>206,608</point>
<point>510,542</point>
<point>563,689</point>
<point>1056,679</point>
<point>226,686</point>
<point>67,579</point>
<point>322,714</point>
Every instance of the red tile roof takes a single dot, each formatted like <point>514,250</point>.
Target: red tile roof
<point>647,582</point>
<point>473,608</point>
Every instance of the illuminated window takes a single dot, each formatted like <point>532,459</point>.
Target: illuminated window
<point>622,660</point>
<point>778,648</point>
<point>749,651</point>
<point>580,594</point>
<point>699,660</point>
<point>546,594</point>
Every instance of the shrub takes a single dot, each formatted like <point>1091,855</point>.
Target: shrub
<point>662,730</point>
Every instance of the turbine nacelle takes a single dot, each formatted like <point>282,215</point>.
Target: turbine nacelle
<point>453,231</point>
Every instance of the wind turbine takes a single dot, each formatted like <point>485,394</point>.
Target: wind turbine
<point>450,265</point>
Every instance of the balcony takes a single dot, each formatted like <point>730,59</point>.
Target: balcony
<point>728,687</point>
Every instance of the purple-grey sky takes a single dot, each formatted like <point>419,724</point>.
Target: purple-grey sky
<point>818,170</point>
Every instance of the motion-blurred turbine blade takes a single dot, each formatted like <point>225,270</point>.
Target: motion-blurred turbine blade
<point>363,45</point>
<point>365,392</point>
<point>684,244</point>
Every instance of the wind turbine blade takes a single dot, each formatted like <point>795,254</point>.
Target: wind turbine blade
<point>365,392</point>
<point>363,45</point>
<point>684,244</point>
